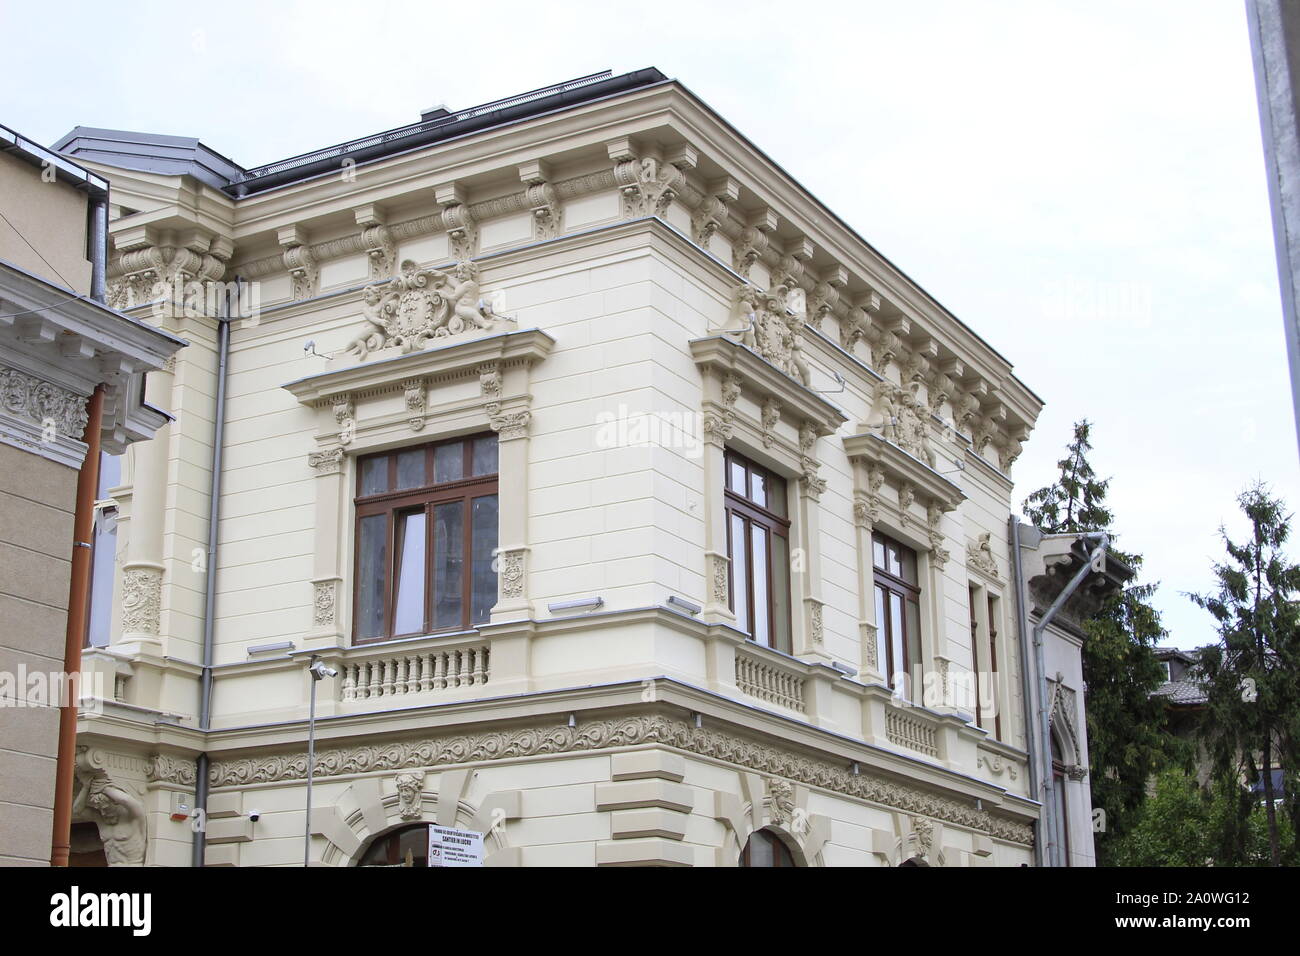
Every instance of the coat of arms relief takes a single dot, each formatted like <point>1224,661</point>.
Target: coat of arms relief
<point>418,307</point>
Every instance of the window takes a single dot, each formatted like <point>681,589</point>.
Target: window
<point>984,648</point>
<point>765,848</point>
<point>758,544</point>
<point>898,612</point>
<point>1061,820</point>
<point>426,537</point>
<point>103,556</point>
<point>408,846</point>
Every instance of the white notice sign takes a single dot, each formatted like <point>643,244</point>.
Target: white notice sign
<point>449,847</point>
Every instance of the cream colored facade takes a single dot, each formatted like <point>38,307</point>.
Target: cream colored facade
<point>637,257</point>
<point>56,347</point>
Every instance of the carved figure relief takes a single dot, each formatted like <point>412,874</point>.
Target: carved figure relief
<point>117,813</point>
<point>772,330</point>
<point>421,305</point>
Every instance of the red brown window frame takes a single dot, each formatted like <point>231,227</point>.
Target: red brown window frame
<point>891,582</point>
<point>781,855</point>
<point>395,503</point>
<point>752,513</point>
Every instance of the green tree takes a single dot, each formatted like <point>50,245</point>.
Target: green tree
<point>1252,675</point>
<point>1185,824</point>
<point>1127,739</point>
<point>1074,501</point>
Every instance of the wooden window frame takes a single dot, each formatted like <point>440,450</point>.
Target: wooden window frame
<point>891,583</point>
<point>781,855</point>
<point>425,498</point>
<point>751,513</point>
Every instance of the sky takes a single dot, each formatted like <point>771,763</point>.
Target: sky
<point>1081,183</point>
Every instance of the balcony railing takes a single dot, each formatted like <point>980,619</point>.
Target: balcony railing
<point>769,681</point>
<point>907,728</point>
<point>392,671</point>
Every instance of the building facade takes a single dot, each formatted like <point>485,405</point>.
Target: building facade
<point>640,512</point>
<point>58,346</point>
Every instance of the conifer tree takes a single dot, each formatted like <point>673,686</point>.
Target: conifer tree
<point>1252,676</point>
<point>1127,740</point>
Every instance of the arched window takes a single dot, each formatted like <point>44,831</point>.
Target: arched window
<point>765,849</point>
<point>393,849</point>
<point>1060,818</point>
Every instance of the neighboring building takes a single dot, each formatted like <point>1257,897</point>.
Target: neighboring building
<point>1274,27</point>
<point>646,513</point>
<point>1184,695</point>
<point>1047,563</point>
<point>56,346</point>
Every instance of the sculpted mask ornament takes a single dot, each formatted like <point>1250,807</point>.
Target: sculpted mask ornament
<point>780,799</point>
<point>409,788</point>
<point>421,306</point>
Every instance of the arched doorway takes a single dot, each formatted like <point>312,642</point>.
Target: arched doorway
<point>405,846</point>
<point>765,848</point>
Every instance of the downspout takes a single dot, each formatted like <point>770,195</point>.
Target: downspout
<point>210,583</point>
<point>1045,716</point>
<point>1027,676</point>
<point>99,248</point>
<point>83,523</point>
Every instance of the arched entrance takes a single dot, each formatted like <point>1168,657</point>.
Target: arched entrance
<point>765,848</point>
<point>405,846</point>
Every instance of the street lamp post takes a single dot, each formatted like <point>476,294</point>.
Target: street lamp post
<point>318,670</point>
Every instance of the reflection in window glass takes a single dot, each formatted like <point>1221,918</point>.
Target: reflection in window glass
<point>485,455</point>
<point>372,562</point>
<point>448,542</point>
<point>739,573</point>
<point>448,463</point>
<point>374,476</point>
<point>410,469</point>
<point>882,635</point>
<point>758,554</point>
<point>780,593</point>
<point>484,582</point>
<point>408,607</point>
<point>736,478</point>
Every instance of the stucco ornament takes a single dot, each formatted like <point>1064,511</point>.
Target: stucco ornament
<point>980,555</point>
<point>410,785</point>
<point>780,801</point>
<point>772,330</point>
<point>906,422</point>
<point>421,305</point>
<point>118,814</point>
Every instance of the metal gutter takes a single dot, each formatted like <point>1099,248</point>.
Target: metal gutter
<point>201,782</point>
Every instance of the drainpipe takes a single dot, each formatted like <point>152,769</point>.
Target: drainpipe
<point>1045,717</point>
<point>99,248</point>
<point>199,847</point>
<point>1027,674</point>
<point>83,523</point>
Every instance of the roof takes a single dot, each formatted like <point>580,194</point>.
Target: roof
<point>179,155</point>
<point>65,169</point>
<point>1181,692</point>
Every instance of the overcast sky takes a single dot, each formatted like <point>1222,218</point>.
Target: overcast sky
<point>1081,183</point>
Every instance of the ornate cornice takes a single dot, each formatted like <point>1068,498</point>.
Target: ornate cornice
<point>619,732</point>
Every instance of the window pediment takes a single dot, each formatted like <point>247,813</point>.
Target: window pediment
<point>903,470</point>
<point>722,356</point>
<point>388,374</point>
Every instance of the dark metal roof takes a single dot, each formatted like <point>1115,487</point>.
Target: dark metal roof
<point>439,126</point>
<point>183,155</point>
